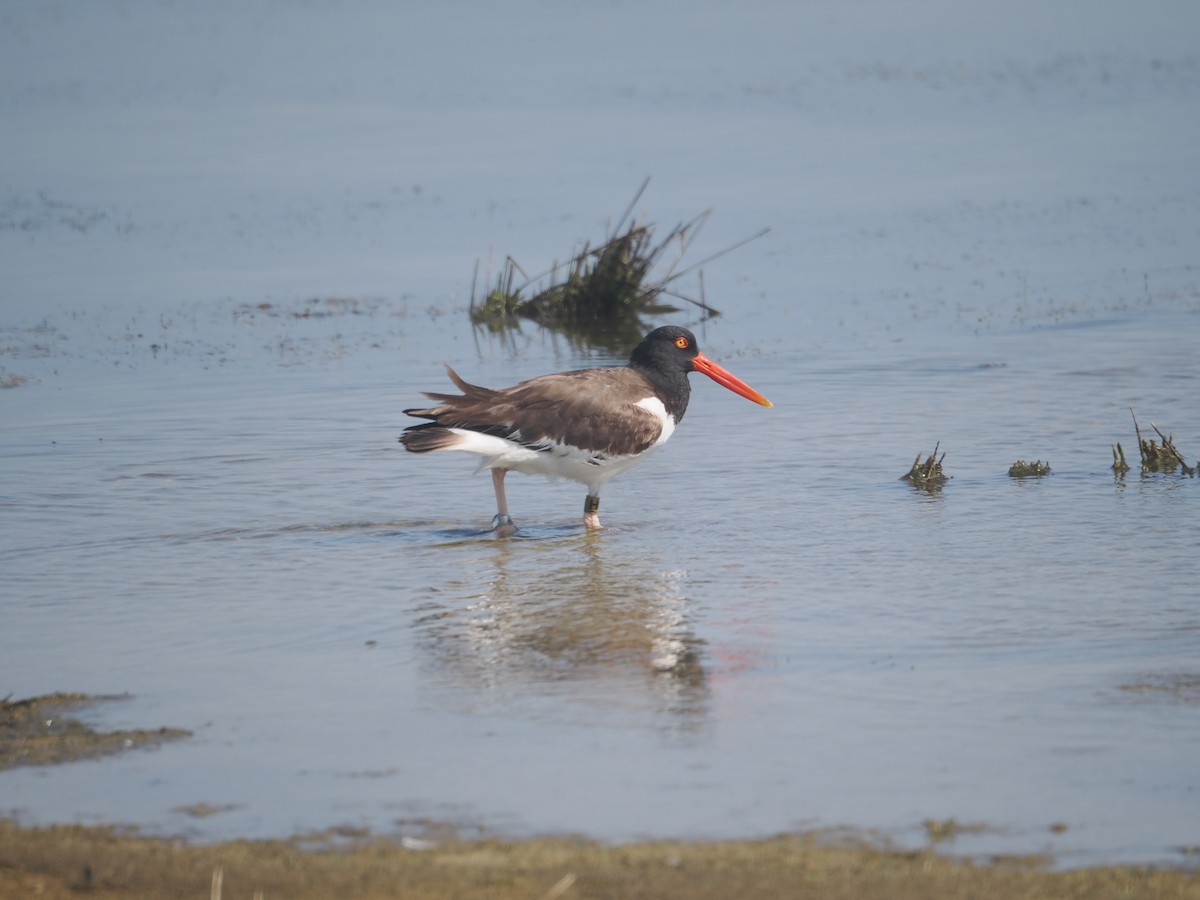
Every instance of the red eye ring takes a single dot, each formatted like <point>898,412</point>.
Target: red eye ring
<point>681,343</point>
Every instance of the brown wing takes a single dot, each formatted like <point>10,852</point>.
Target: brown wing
<point>593,409</point>
<point>472,409</point>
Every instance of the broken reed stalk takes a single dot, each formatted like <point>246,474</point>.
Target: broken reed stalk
<point>1119,464</point>
<point>1168,447</point>
<point>632,203</point>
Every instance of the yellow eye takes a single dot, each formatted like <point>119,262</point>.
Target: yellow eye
<point>681,343</point>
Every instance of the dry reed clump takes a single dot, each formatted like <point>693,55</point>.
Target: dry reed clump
<point>599,298</point>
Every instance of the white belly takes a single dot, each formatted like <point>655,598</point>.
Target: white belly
<point>562,460</point>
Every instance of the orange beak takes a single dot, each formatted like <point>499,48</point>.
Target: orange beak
<point>728,379</point>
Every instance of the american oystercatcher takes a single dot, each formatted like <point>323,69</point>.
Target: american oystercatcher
<point>587,425</point>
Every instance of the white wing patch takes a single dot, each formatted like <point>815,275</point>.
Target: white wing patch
<point>655,407</point>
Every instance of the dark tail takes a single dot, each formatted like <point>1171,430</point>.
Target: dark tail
<point>427,437</point>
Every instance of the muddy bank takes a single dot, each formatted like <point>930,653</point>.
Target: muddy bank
<point>38,731</point>
<point>61,861</point>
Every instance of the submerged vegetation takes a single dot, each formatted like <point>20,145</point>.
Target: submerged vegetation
<point>10,379</point>
<point>601,295</point>
<point>1156,457</point>
<point>1162,457</point>
<point>927,475</point>
<point>1022,469</point>
<point>1176,687</point>
<point>1120,465</point>
<point>939,831</point>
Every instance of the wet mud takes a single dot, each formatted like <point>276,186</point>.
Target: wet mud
<point>38,731</point>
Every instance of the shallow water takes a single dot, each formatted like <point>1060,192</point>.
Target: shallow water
<point>205,505</point>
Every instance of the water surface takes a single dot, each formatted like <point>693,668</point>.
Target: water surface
<point>218,305</point>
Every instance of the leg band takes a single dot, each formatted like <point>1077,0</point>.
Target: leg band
<point>591,505</point>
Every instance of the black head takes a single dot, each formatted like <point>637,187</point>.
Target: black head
<point>668,354</point>
<point>667,349</point>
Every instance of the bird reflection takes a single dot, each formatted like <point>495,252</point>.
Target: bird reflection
<point>604,638</point>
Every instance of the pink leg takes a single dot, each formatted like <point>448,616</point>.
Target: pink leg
<point>501,524</point>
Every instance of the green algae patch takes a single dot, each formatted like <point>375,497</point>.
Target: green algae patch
<point>61,861</point>
<point>38,731</point>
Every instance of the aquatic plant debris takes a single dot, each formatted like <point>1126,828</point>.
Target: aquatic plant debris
<point>947,830</point>
<point>11,379</point>
<point>35,732</point>
<point>1176,687</point>
<point>1022,469</point>
<point>598,298</point>
<point>1156,457</point>
<point>204,810</point>
<point>927,475</point>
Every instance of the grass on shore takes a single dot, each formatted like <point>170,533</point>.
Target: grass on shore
<point>108,862</point>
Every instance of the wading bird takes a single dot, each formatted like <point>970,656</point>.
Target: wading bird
<point>587,425</point>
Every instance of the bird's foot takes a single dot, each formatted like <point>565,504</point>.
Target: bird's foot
<point>503,526</point>
<point>591,513</point>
